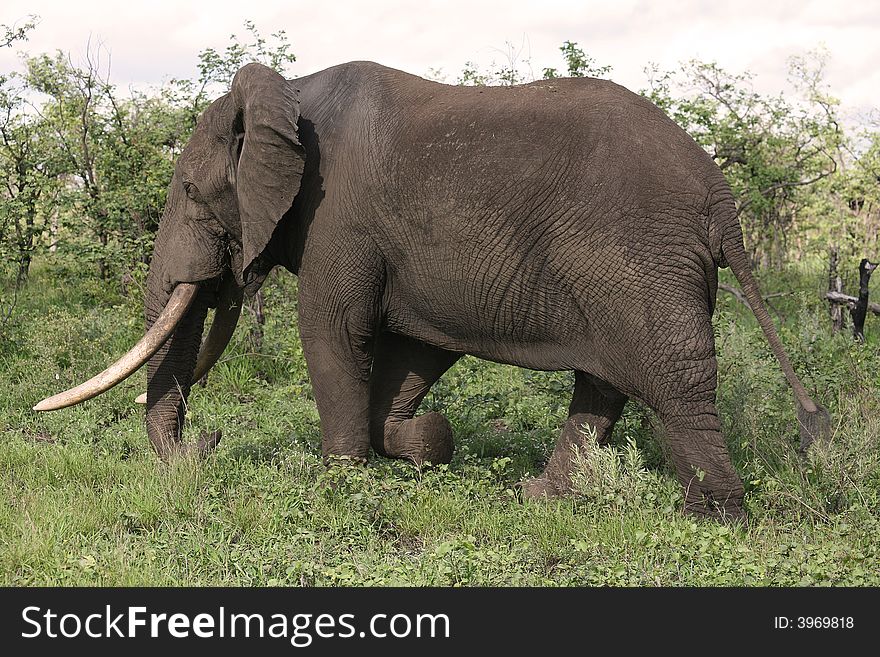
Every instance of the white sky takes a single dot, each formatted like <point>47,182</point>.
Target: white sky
<point>151,41</point>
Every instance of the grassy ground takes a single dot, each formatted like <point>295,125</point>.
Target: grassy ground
<point>84,501</point>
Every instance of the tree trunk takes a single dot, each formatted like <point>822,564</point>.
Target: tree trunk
<point>24,267</point>
<point>861,308</point>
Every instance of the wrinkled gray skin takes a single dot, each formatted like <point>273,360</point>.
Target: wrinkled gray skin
<point>559,225</point>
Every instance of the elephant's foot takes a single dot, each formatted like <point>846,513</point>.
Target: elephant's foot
<point>712,487</point>
<point>593,414</point>
<point>724,507</point>
<point>539,488</point>
<point>207,443</point>
<point>553,482</point>
<point>729,516</point>
<point>423,439</point>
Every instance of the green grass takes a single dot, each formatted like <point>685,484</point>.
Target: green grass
<point>84,501</point>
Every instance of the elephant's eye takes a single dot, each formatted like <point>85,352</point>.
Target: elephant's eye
<point>192,191</point>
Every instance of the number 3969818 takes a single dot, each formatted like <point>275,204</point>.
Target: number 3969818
<point>814,622</point>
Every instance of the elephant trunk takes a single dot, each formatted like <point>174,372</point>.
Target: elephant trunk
<point>170,369</point>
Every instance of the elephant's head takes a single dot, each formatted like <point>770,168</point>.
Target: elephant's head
<point>234,181</point>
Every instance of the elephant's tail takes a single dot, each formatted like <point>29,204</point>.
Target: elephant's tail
<point>813,419</point>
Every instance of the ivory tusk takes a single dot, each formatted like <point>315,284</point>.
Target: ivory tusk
<point>174,310</point>
<point>225,320</point>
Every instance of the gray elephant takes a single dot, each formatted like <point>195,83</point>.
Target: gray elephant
<point>566,224</point>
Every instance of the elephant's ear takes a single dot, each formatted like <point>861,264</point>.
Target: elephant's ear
<point>271,163</point>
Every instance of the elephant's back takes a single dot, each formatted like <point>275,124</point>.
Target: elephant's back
<point>583,133</point>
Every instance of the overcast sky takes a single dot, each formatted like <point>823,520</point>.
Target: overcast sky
<point>151,41</point>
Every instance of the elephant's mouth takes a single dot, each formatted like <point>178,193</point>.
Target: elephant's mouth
<point>225,320</point>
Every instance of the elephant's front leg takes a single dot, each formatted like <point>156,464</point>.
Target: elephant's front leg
<point>340,375</point>
<point>338,334</point>
<point>403,371</point>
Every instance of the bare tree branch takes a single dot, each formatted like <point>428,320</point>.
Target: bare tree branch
<point>739,296</point>
<point>847,300</point>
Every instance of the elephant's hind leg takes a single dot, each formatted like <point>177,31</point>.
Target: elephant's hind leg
<point>684,397</point>
<point>403,371</point>
<point>595,404</point>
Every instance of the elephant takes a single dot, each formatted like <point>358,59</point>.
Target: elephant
<point>559,225</point>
